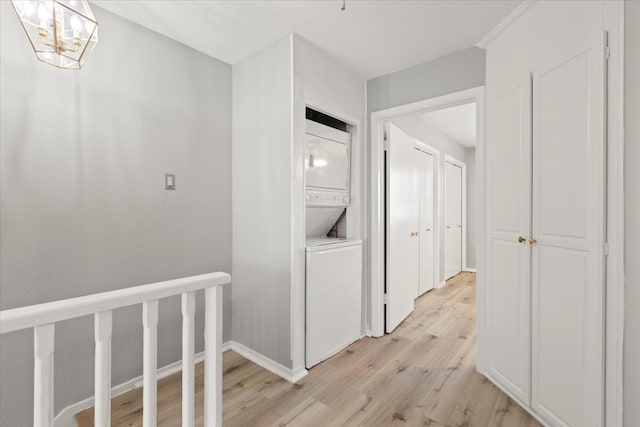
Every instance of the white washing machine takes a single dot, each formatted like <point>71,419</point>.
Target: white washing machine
<point>333,296</point>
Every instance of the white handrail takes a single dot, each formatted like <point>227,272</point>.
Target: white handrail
<point>42,317</point>
<point>52,312</point>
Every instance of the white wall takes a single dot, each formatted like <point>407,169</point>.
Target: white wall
<point>632,215</point>
<point>262,208</point>
<point>83,207</point>
<point>328,86</point>
<point>419,129</point>
<point>268,196</point>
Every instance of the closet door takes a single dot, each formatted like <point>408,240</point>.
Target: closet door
<point>508,157</point>
<point>568,233</point>
<point>425,163</point>
<point>403,222</point>
<point>453,220</point>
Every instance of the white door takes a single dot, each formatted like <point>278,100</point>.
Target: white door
<point>403,222</point>
<point>452,220</point>
<point>425,167</point>
<point>508,155</point>
<point>568,226</point>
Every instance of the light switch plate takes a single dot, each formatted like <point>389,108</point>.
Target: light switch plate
<point>169,181</point>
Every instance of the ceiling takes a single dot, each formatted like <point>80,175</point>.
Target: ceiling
<point>372,37</point>
<point>458,123</point>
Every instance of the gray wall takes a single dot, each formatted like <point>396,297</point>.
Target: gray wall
<point>419,129</point>
<point>632,215</point>
<point>83,206</point>
<point>458,71</point>
<point>262,232</point>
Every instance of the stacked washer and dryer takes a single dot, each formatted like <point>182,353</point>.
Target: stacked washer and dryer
<point>333,264</point>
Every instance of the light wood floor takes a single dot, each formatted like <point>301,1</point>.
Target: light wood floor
<point>423,374</point>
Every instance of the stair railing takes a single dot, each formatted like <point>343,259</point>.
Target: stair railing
<point>43,317</point>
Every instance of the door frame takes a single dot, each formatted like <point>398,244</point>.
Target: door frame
<point>376,203</point>
<point>462,165</point>
<point>426,148</point>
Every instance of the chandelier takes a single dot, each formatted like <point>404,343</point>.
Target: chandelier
<point>62,32</point>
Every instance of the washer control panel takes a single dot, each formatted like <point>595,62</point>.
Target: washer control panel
<point>326,199</point>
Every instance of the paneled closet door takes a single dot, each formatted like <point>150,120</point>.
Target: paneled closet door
<point>568,232</point>
<point>452,219</point>
<point>425,163</point>
<point>508,156</point>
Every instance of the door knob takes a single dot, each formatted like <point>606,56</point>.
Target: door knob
<point>428,229</point>
<point>448,226</point>
<point>521,239</point>
<point>459,226</point>
<point>532,241</point>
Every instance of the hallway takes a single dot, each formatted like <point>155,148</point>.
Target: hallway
<point>422,374</point>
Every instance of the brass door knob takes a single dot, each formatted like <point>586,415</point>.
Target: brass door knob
<point>521,239</point>
<point>532,241</point>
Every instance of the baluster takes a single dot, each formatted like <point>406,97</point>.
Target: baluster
<point>150,363</point>
<point>43,340</point>
<point>188,367</point>
<point>213,357</point>
<point>102,332</point>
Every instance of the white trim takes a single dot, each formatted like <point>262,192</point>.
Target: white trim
<point>469,269</point>
<point>65,417</point>
<point>615,282</point>
<point>291,375</point>
<point>505,23</point>
<point>376,181</point>
<point>442,284</point>
<point>462,165</point>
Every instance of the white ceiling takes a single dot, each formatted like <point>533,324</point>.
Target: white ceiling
<point>458,123</point>
<point>372,37</point>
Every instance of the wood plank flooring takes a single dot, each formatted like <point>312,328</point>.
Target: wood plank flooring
<point>423,374</point>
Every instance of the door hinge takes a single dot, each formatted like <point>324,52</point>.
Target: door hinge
<point>606,248</point>
<point>385,142</point>
<point>386,298</point>
<point>607,52</point>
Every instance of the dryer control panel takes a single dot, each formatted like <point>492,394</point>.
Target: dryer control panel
<point>326,199</point>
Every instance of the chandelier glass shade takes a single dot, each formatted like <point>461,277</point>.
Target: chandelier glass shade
<point>62,32</point>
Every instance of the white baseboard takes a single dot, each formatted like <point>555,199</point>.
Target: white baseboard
<point>469,269</point>
<point>291,375</point>
<point>65,417</point>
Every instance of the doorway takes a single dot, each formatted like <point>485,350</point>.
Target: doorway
<point>377,268</point>
<point>425,198</point>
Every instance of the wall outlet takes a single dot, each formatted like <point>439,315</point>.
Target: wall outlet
<point>169,181</point>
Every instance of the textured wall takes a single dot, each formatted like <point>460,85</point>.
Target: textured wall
<point>632,214</point>
<point>83,206</point>
<point>262,231</point>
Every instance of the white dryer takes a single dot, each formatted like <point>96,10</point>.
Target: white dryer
<point>333,296</point>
